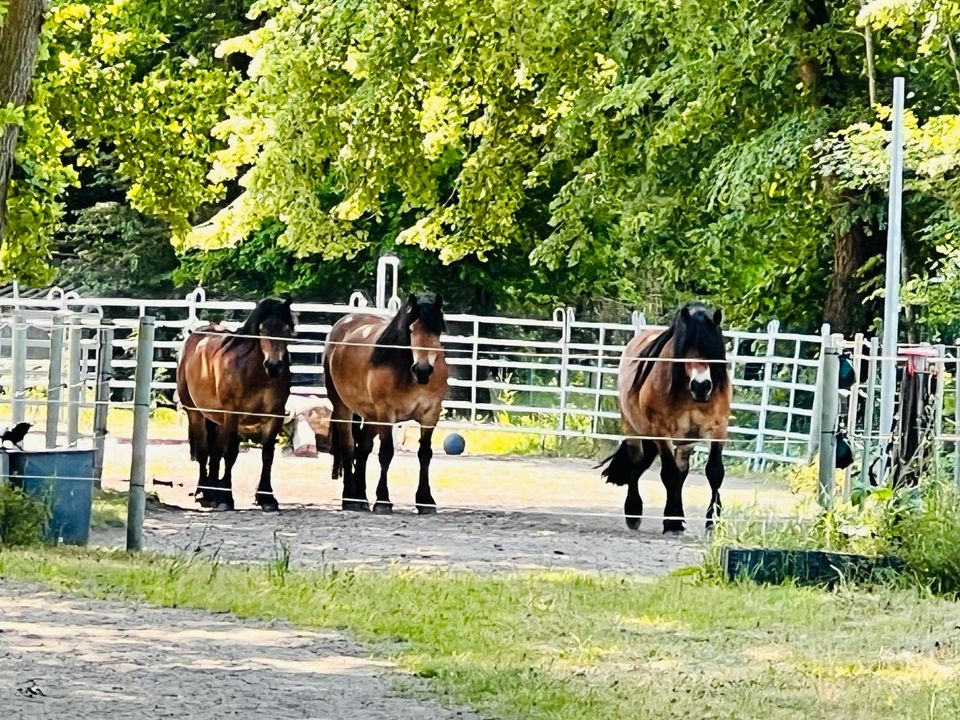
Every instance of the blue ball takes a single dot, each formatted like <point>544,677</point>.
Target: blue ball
<point>453,444</point>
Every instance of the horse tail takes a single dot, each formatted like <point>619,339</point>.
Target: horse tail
<point>620,468</point>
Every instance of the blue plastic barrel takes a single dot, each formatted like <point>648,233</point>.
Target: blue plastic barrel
<point>63,478</point>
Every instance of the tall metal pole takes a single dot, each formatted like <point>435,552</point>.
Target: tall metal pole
<point>136,500</point>
<point>829,408</point>
<point>891,305</point>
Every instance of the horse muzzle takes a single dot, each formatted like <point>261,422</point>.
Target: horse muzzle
<point>422,372</point>
<point>701,390</point>
<point>274,369</point>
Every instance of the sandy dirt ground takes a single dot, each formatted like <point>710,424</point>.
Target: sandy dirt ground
<point>494,515</point>
<point>74,659</point>
<point>92,660</point>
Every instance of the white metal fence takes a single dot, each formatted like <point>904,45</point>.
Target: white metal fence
<point>555,376</point>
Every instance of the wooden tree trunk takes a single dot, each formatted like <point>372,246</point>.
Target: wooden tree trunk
<point>19,42</point>
<point>844,308</point>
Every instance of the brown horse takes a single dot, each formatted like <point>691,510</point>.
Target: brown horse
<point>233,382</point>
<point>669,406</point>
<point>379,372</point>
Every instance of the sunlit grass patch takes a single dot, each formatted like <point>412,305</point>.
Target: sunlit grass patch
<point>109,510</point>
<point>569,645</point>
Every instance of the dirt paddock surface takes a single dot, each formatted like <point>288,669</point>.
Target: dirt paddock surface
<point>89,660</point>
<point>494,515</point>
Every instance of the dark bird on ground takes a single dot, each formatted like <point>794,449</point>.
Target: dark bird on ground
<point>16,434</point>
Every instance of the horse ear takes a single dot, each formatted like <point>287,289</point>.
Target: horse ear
<point>439,302</point>
<point>413,307</point>
<point>717,317</point>
<point>685,313</point>
<point>287,302</point>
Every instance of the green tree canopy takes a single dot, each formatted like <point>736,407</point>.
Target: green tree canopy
<point>521,153</point>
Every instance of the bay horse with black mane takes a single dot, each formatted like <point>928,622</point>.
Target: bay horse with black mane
<point>379,372</point>
<point>230,382</point>
<point>674,391</point>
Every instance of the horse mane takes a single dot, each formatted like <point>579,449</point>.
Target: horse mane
<point>652,351</point>
<point>245,338</point>
<point>393,344</point>
<point>695,332</point>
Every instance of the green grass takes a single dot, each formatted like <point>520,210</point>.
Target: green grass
<point>109,510</point>
<point>565,646</point>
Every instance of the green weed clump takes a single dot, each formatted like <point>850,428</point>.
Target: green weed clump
<point>930,538</point>
<point>920,525</point>
<point>23,519</point>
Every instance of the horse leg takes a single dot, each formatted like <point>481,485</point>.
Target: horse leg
<point>228,447</point>
<point>230,444</point>
<point>341,447</point>
<point>673,471</point>
<point>424,499</point>
<point>200,451</point>
<point>715,474</point>
<point>383,506</point>
<point>265,497</point>
<point>363,446</point>
<point>354,497</point>
<point>215,437</point>
<point>642,456</point>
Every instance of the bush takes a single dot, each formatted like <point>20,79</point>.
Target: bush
<point>23,519</point>
<point>930,538</point>
<point>921,525</point>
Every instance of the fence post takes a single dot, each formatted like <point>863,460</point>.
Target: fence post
<point>956,415</point>
<point>853,408</point>
<point>74,375</point>
<point>101,406</point>
<point>773,327</point>
<point>54,380</point>
<point>567,317</point>
<point>598,384</point>
<point>136,499</point>
<point>829,393</point>
<point>938,408</point>
<point>18,358</point>
<point>870,404</point>
<point>814,445</point>
<point>473,371</point>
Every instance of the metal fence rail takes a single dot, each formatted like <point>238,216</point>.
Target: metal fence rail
<point>553,375</point>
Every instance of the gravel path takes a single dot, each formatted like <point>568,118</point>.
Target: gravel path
<point>75,659</point>
<point>494,515</point>
<point>452,540</point>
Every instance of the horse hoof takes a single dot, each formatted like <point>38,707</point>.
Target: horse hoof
<point>673,527</point>
<point>270,507</point>
<point>382,508</point>
<point>355,506</point>
<point>223,507</point>
<point>430,509</point>
<point>633,523</point>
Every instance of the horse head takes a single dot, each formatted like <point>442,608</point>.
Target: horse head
<point>698,341</point>
<point>424,320</point>
<point>273,322</point>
